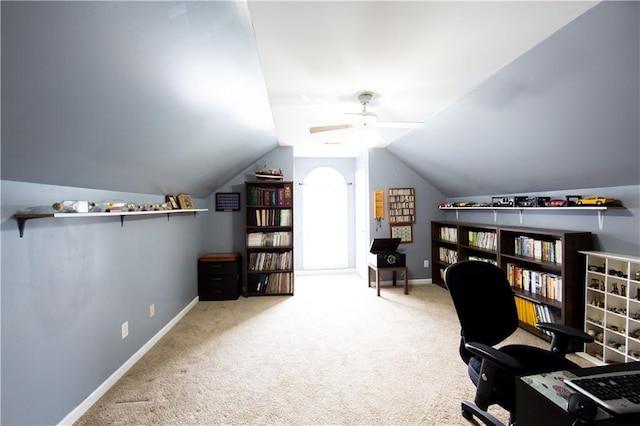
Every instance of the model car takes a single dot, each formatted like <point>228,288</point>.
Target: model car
<point>527,202</point>
<point>555,203</point>
<point>598,201</point>
<point>502,201</point>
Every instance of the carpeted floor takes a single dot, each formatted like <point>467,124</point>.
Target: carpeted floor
<point>332,354</point>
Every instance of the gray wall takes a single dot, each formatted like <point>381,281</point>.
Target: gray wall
<point>386,171</point>
<point>562,116</point>
<point>69,284</point>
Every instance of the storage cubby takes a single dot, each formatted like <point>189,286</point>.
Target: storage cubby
<point>612,308</point>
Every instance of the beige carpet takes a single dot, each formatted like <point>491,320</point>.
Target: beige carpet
<point>332,354</point>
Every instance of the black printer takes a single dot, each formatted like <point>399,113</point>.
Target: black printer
<point>384,253</point>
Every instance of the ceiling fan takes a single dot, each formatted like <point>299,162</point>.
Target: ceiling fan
<point>367,119</point>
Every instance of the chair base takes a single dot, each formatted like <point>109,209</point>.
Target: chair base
<point>469,409</point>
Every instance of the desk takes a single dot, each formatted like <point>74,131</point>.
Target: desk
<point>378,271</point>
<point>542,404</point>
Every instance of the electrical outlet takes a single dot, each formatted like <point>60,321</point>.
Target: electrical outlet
<point>152,310</point>
<point>125,329</point>
<point>426,263</point>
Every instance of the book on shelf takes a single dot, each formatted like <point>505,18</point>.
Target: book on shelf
<point>276,283</point>
<point>532,313</point>
<point>541,283</point>
<point>449,234</point>
<point>270,261</point>
<point>483,259</point>
<point>273,217</point>
<point>547,251</point>
<point>270,197</point>
<point>448,256</point>
<point>269,239</point>
<point>483,240</point>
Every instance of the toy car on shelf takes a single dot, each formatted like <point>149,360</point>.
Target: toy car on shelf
<point>555,203</point>
<point>597,201</point>
<point>502,201</point>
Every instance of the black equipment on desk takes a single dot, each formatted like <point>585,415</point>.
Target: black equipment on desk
<point>384,253</point>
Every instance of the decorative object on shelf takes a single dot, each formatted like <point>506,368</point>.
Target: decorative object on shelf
<point>268,173</point>
<point>404,232</point>
<point>378,207</point>
<point>401,203</point>
<point>227,201</point>
<point>185,202</point>
<point>171,200</point>
<point>596,201</point>
<point>72,206</point>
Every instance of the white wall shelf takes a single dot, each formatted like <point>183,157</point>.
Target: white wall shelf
<point>599,209</point>
<point>23,217</point>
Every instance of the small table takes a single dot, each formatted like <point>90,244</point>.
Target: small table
<point>379,270</point>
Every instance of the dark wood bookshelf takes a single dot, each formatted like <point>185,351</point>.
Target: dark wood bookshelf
<point>551,244</point>
<point>269,237</point>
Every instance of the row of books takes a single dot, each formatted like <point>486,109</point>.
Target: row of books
<point>542,283</point>
<point>449,234</point>
<point>483,259</point>
<point>532,313</point>
<point>448,256</point>
<point>548,251</point>
<point>269,239</point>
<point>281,282</point>
<point>273,217</point>
<point>265,261</point>
<point>484,240</point>
<point>270,197</point>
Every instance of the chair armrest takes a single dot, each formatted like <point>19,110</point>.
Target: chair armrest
<point>562,334</point>
<point>500,359</point>
<point>493,362</point>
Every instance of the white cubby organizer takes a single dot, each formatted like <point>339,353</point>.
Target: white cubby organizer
<point>612,307</point>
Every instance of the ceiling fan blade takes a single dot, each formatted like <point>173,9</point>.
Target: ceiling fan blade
<point>400,124</point>
<point>329,128</point>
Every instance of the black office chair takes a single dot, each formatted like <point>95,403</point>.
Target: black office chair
<point>487,313</point>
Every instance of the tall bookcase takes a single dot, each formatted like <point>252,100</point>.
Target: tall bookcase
<point>612,307</point>
<point>268,238</point>
<point>543,266</point>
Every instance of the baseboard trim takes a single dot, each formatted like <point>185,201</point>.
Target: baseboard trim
<point>77,412</point>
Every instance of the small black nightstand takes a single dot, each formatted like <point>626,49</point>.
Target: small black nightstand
<point>219,276</point>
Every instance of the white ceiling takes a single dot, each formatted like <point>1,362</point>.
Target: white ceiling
<point>416,57</point>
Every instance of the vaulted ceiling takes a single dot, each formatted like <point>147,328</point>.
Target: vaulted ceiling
<point>168,97</point>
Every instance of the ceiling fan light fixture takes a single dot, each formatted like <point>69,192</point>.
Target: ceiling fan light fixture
<point>369,118</point>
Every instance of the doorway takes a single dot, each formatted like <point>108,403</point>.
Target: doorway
<point>325,238</point>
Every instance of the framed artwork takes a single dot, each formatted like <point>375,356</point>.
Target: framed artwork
<point>185,202</point>
<point>171,200</point>
<point>227,201</point>
<point>404,232</point>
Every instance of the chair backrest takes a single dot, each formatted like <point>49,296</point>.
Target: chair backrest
<point>483,300</point>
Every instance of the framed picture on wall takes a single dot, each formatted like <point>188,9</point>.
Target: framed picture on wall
<point>227,201</point>
<point>404,232</point>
